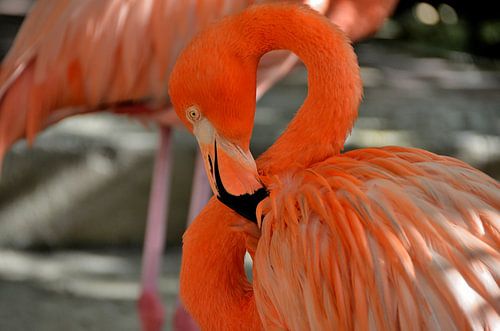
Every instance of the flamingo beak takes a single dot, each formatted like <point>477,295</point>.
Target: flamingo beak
<point>231,171</point>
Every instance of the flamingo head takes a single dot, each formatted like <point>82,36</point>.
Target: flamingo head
<point>212,88</point>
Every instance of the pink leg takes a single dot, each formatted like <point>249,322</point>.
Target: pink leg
<point>267,77</point>
<point>150,307</point>
<point>201,192</point>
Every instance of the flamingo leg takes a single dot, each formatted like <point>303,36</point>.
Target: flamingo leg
<point>151,310</point>
<point>268,77</point>
<point>201,193</point>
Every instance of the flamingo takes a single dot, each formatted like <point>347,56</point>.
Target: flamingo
<point>386,238</point>
<point>52,72</point>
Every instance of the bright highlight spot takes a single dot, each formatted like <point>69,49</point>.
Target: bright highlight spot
<point>319,5</point>
<point>448,14</point>
<point>426,13</point>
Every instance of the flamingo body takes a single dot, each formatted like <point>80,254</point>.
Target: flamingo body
<point>95,55</point>
<point>367,233</point>
<point>374,239</point>
<point>392,235</point>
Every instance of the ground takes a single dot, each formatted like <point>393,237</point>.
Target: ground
<point>77,290</point>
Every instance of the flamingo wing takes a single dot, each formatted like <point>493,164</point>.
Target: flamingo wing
<point>361,18</point>
<point>92,55</point>
<point>380,239</point>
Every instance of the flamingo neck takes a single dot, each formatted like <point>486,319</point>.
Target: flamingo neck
<point>213,284</point>
<point>322,124</point>
<point>214,287</point>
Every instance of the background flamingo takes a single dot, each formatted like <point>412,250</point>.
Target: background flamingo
<point>51,73</point>
<point>60,65</point>
<point>381,239</point>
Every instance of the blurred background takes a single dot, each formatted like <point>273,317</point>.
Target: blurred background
<point>73,207</point>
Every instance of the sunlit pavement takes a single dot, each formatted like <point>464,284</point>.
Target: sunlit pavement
<point>78,290</point>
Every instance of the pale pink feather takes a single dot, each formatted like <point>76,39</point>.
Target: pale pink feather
<point>380,239</point>
<point>93,55</point>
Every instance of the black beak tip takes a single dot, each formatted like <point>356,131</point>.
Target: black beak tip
<point>246,204</point>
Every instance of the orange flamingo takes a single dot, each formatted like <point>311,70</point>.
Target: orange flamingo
<point>386,238</point>
<point>74,57</point>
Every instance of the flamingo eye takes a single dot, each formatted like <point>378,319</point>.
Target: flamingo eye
<point>193,114</point>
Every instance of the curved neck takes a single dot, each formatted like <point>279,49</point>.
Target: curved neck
<point>213,284</point>
<point>322,124</point>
